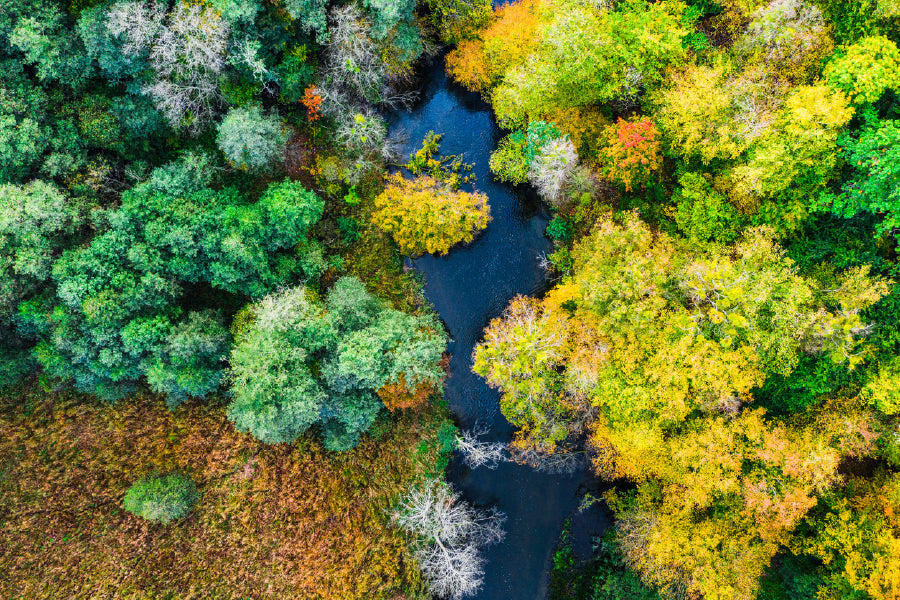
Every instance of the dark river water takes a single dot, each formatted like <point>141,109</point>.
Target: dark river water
<point>469,287</point>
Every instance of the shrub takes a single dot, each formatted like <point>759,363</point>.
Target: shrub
<point>161,498</point>
<point>426,215</point>
<point>250,140</point>
<point>558,230</point>
<point>508,161</point>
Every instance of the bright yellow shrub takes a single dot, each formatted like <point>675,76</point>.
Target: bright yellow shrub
<point>426,215</point>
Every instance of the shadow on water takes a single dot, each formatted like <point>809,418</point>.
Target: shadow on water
<point>469,287</point>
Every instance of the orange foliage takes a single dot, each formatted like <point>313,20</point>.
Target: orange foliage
<point>398,395</point>
<point>633,153</point>
<point>273,521</point>
<point>312,101</point>
<point>480,64</point>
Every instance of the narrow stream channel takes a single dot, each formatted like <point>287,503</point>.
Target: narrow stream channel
<point>469,287</point>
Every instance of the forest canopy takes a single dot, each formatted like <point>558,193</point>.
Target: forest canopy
<point>209,338</point>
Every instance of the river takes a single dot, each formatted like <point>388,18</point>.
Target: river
<point>469,287</point>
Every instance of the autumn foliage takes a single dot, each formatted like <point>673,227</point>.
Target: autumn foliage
<point>312,101</point>
<point>427,215</point>
<point>633,153</point>
<point>272,521</point>
<point>479,64</point>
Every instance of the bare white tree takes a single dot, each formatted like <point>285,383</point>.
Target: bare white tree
<point>136,23</point>
<point>552,170</point>
<point>449,536</point>
<point>478,453</point>
<point>186,48</point>
<point>555,463</point>
<point>355,71</point>
<point>188,56</point>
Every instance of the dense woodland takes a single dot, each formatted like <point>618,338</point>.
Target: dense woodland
<point>218,380</point>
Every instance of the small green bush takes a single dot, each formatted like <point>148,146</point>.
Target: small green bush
<point>161,498</point>
<point>558,230</point>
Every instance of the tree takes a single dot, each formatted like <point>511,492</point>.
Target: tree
<point>552,170</point>
<point>311,14</point>
<point>299,363</point>
<point>864,70</point>
<point>508,162</point>
<point>427,215</point>
<point>585,56</point>
<point>115,310</point>
<point>874,183</point>
<point>189,362</point>
<point>790,36</point>
<point>480,63</point>
<point>478,453</point>
<point>250,140</point>
<point>456,20</point>
<point>449,534</point>
<point>633,152</point>
<point>185,49</point>
<point>704,214</point>
<point>696,115</point>
<point>161,498</point>
<point>36,222</point>
<point>655,349</point>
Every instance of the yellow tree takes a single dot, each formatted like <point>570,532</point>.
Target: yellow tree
<point>427,215</point>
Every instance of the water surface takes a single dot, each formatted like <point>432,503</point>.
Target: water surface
<point>469,287</point>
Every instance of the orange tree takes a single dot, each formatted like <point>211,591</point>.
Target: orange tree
<point>427,215</point>
<point>633,153</point>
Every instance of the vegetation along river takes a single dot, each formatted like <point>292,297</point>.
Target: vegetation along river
<point>469,287</point>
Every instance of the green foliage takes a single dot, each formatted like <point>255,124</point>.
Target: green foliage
<point>585,55</point>
<point>558,230</point>
<point>162,498</point>
<point>115,311</point>
<point>865,69</point>
<point>447,169</point>
<point>874,183</point>
<point>250,140</point>
<point>705,215</point>
<point>299,363</point>
<point>537,136</point>
<point>310,14</point>
<point>508,161</point>
<point>36,222</point>
<point>189,361</point>
<point>612,579</point>
<point>295,74</point>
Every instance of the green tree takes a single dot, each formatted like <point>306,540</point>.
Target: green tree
<point>115,311</point>
<point>189,362</point>
<point>250,140</point>
<point>300,363</point>
<point>705,215</point>
<point>162,498</point>
<point>874,182</point>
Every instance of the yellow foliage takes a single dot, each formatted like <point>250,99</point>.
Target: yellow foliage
<point>426,215</point>
<point>480,64</point>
